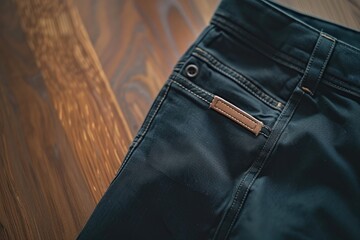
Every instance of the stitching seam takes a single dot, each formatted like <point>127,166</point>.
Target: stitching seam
<point>263,134</point>
<point>180,85</point>
<point>192,84</point>
<point>142,134</point>
<point>267,127</point>
<point>306,26</point>
<point>242,183</point>
<point>233,117</point>
<point>261,166</point>
<point>325,63</point>
<point>218,66</point>
<point>281,57</point>
<point>334,85</point>
<point>219,22</point>
<point>310,63</point>
<point>245,83</point>
<point>157,109</point>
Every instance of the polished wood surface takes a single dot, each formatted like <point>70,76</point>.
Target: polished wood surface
<point>138,42</point>
<point>76,81</point>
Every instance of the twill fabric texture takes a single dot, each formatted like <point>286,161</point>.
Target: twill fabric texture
<point>254,135</point>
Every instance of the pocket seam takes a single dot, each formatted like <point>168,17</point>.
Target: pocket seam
<point>143,129</point>
<point>262,132</point>
<point>186,89</point>
<point>233,75</point>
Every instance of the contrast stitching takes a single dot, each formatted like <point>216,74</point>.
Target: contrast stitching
<point>233,117</point>
<point>179,65</point>
<point>311,62</point>
<point>246,81</point>
<point>142,134</point>
<point>157,108</point>
<point>236,80</point>
<point>264,134</point>
<point>180,85</point>
<point>340,81</point>
<point>277,10</point>
<point>237,193</point>
<point>246,174</point>
<point>236,196</point>
<point>194,85</point>
<point>214,64</point>
<point>306,26</point>
<point>327,57</point>
<point>268,128</point>
<point>220,19</point>
<point>349,47</point>
<point>285,59</point>
<point>341,88</point>
<point>326,61</point>
<point>262,164</point>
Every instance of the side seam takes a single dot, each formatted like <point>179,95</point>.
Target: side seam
<point>224,229</point>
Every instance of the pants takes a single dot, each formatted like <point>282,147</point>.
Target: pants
<point>255,135</point>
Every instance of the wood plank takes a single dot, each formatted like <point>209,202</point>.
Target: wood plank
<point>138,43</point>
<point>345,12</point>
<point>76,81</point>
<point>62,134</point>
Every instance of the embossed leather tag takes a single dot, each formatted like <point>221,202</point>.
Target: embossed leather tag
<point>237,115</point>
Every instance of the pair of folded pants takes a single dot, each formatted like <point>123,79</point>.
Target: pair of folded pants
<point>255,135</point>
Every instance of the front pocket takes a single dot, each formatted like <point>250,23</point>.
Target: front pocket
<point>238,78</point>
<point>221,105</point>
<point>218,79</point>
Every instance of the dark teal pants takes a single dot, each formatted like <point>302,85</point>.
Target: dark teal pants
<point>255,135</point>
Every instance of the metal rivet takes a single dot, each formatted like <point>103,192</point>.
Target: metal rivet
<point>191,70</point>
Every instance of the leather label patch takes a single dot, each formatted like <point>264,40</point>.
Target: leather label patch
<point>236,114</point>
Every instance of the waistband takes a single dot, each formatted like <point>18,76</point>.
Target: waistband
<point>290,37</point>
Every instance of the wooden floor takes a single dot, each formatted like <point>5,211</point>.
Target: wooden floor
<point>76,80</point>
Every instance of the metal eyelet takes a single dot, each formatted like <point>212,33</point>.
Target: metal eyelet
<point>191,70</point>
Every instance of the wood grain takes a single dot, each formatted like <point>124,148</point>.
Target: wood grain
<point>138,43</point>
<point>345,12</point>
<point>76,81</point>
<point>62,134</point>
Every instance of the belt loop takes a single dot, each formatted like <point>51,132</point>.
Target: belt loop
<point>317,63</point>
